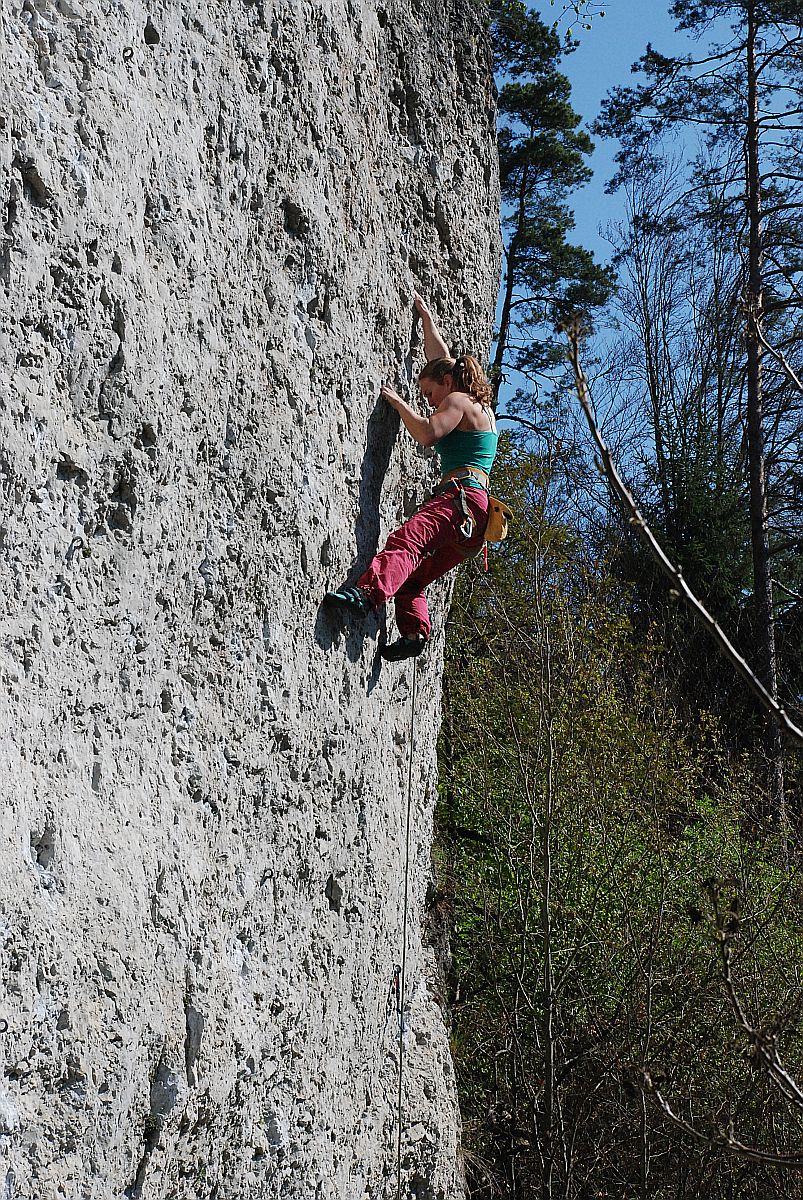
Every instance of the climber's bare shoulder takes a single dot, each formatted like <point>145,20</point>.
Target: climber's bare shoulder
<point>475,417</point>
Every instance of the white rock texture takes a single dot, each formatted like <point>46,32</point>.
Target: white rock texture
<point>214,216</point>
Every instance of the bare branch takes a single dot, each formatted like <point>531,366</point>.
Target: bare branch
<point>718,1140</point>
<point>763,1044</point>
<point>789,592</point>
<point>637,521</point>
<point>782,271</point>
<point>776,354</point>
<point>764,1047</point>
<point>537,429</point>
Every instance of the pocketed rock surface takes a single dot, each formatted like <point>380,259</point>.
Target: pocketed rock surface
<point>214,218</point>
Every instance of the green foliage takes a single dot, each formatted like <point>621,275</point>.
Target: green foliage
<point>541,159</point>
<point>579,820</point>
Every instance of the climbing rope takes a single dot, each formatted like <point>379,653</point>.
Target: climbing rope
<point>401,972</point>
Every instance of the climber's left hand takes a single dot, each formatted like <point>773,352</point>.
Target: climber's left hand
<point>393,398</point>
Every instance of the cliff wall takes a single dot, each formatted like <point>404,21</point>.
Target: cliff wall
<point>214,217</point>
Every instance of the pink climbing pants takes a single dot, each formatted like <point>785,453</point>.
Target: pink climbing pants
<point>425,547</point>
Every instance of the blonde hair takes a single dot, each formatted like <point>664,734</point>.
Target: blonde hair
<point>467,376</point>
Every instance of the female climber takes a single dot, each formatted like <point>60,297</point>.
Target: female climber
<point>450,524</point>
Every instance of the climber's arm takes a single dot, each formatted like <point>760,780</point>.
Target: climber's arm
<point>434,345</point>
<point>427,430</point>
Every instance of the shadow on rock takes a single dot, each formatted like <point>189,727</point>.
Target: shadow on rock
<point>332,623</point>
<point>383,425</point>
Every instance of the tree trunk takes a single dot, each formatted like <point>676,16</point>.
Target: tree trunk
<point>548,1032</point>
<point>510,279</point>
<point>759,523</point>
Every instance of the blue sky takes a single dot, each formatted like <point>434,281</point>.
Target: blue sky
<point>603,60</point>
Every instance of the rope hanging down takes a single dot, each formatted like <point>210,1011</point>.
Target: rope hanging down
<point>401,972</point>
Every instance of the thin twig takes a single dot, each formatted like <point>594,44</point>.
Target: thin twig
<point>538,429</point>
<point>764,1045</point>
<point>777,355</point>
<point>639,524</point>
<point>765,1048</point>
<point>718,1139</point>
<point>784,588</point>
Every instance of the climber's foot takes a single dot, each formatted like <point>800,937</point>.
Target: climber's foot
<point>403,648</point>
<point>352,598</point>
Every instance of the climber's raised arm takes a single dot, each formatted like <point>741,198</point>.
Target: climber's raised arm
<point>427,430</point>
<point>434,345</point>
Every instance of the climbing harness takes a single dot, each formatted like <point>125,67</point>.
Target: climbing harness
<point>496,529</point>
<point>455,486</point>
<point>400,972</point>
<point>471,475</point>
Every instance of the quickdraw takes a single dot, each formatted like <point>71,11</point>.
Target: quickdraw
<point>468,525</point>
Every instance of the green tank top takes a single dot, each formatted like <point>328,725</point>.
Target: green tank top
<point>475,448</point>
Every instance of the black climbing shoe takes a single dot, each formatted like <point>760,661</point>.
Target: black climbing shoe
<point>352,598</point>
<point>403,648</point>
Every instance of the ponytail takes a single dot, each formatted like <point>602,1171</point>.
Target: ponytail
<point>467,375</point>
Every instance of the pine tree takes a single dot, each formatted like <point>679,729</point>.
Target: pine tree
<point>541,159</point>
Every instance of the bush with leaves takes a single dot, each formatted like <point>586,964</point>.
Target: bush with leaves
<point>579,821</point>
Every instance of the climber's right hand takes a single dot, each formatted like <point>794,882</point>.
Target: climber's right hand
<point>421,307</point>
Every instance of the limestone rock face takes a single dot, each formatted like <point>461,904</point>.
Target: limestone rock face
<point>214,217</point>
